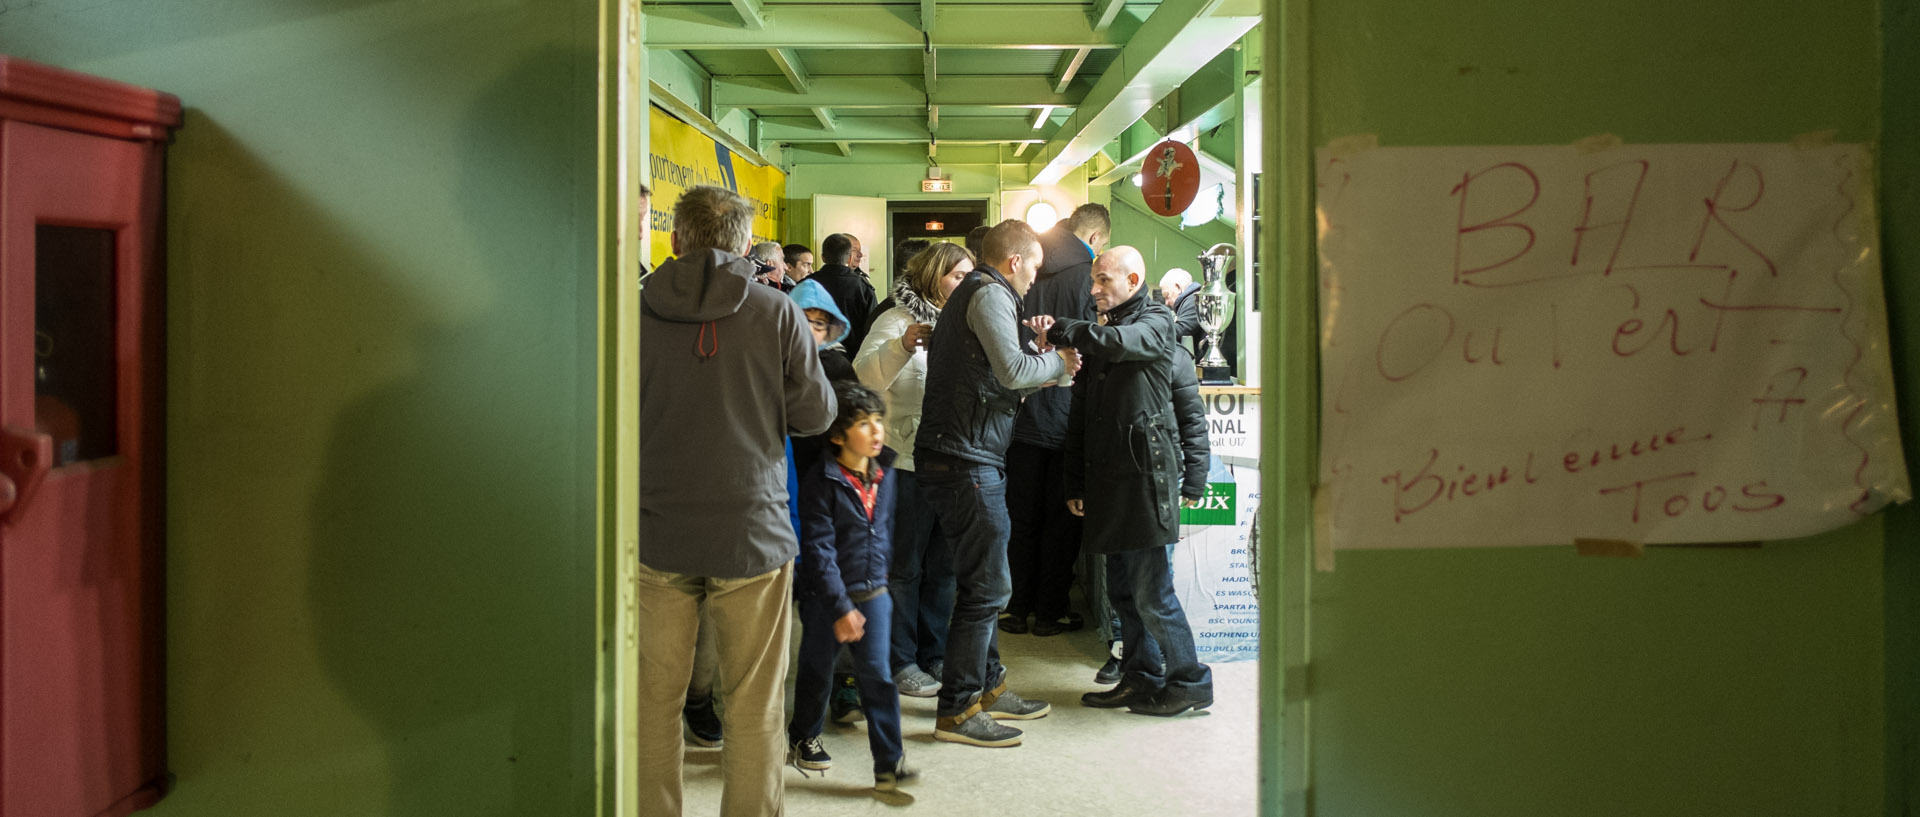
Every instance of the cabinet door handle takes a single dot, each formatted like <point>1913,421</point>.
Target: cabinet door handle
<point>25,457</point>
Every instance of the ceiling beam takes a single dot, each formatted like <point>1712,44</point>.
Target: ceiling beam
<point>1101,15</point>
<point>1179,39</point>
<point>1206,101</point>
<point>751,17</point>
<point>790,65</point>
<point>856,129</point>
<point>807,25</point>
<point>826,117</point>
<point>1040,119</point>
<point>897,92</point>
<point>846,148</point>
<point>663,96</point>
<point>1021,148</point>
<point>1069,68</point>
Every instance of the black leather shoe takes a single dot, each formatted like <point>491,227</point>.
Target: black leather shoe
<point>1065,623</point>
<point>1109,673</point>
<point>1170,702</point>
<point>1014,623</point>
<point>1128,693</point>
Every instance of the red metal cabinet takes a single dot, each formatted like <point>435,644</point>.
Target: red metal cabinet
<point>81,694</point>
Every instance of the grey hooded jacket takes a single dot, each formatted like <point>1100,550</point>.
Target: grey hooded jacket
<point>727,371</point>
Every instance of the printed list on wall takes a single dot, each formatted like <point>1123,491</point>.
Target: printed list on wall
<point>1651,344</point>
<point>1213,562</point>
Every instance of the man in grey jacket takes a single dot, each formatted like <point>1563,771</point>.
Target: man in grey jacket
<point>727,372</point>
<point>978,369</point>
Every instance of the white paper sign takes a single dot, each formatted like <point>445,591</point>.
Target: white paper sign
<point>1212,568</point>
<point>1668,343</point>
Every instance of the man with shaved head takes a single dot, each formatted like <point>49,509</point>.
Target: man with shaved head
<point>1125,476</point>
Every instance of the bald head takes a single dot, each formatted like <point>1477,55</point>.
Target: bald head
<point>1117,274</point>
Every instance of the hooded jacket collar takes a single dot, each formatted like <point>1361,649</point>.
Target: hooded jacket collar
<point>1065,242</point>
<point>704,286</point>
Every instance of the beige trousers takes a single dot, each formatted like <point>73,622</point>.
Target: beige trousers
<point>752,620</point>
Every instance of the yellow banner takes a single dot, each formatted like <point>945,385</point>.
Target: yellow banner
<point>684,157</point>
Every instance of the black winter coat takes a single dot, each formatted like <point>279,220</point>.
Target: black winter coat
<point>1186,312</point>
<point>1062,289</point>
<point>1190,411</point>
<point>1123,441</point>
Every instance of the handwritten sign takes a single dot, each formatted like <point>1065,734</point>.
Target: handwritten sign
<point>1668,343</point>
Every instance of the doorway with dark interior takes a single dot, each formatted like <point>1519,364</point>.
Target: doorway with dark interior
<point>941,220</point>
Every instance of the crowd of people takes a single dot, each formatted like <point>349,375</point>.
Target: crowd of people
<point>910,478</point>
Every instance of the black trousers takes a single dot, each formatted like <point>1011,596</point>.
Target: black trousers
<point>1045,538</point>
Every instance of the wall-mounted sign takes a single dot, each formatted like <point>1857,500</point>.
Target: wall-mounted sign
<point>1510,364</point>
<point>1212,565</point>
<point>936,185</point>
<point>936,226</point>
<point>684,157</point>
<point>1169,178</point>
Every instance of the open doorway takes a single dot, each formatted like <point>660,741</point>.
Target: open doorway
<point>945,220</point>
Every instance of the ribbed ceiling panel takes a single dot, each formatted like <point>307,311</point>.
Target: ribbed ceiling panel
<point>736,63</point>
<point>861,62</point>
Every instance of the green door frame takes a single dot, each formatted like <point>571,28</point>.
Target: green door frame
<point>1290,383</point>
<point>622,137</point>
<point>1287,369</point>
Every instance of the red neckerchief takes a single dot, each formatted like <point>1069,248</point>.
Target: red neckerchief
<point>869,494</point>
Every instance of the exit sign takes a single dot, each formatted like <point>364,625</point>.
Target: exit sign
<point>936,185</point>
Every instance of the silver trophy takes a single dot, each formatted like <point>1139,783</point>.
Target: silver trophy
<point>1215,304</point>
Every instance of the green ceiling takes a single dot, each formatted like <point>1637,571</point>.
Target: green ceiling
<point>834,75</point>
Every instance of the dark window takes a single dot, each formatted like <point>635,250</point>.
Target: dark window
<point>74,371</point>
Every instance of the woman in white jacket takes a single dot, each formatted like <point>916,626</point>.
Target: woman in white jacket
<point>893,361</point>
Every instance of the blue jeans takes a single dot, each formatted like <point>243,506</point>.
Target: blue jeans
<point>970,500</point>
<point>813,676</point>
<point>1154,628</point>
<point>920,578</point>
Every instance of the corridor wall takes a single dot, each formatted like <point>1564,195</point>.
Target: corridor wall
<point>1510,682</point>
<point>381,349</point>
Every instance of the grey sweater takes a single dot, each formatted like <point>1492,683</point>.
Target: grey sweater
<point>995,318</point>
<point>727,372</point>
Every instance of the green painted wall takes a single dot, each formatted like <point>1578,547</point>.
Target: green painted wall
<point>1159,238</point>
<point>875,171</point>
<point>1488,683</point>
<point>381,416</point>
<point>895,181</point>
<point>1900,215</point>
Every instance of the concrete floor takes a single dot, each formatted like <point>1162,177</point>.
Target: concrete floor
<point>1076,761</point>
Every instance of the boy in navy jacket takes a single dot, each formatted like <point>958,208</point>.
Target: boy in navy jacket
<point>846,523</point>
